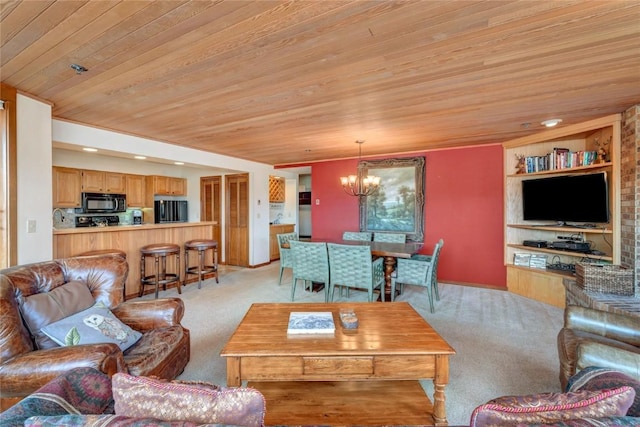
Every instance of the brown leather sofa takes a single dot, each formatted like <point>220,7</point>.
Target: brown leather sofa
<point>163,350</point>
<point>598,338</point>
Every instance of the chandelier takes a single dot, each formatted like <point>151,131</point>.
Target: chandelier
<point>360,185</point>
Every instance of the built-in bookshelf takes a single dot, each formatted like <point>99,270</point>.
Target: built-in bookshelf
<point>584,148</point>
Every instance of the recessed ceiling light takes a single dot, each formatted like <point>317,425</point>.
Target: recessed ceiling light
<point>551,122</point>
<point>93,150</point>
<point>139,157</point>
<point>178,163</point>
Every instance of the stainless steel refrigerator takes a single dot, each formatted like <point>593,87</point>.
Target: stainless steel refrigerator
<point>170,211</point>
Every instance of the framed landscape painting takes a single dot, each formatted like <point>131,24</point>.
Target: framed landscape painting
<point>398,205</point>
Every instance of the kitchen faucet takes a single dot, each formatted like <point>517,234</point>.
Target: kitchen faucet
<point>53,215</point>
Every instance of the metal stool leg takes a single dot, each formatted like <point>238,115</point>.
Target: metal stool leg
<point>178,283</point>
<point>186,266</point>
<point>157,271</point>
<point>201,267</point>
<point>215,262</point>
<point>142,258</point>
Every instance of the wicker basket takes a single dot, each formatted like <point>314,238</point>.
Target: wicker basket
<point>605,279</point>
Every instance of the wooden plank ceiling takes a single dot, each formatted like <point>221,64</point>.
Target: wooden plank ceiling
<point>286,82</point>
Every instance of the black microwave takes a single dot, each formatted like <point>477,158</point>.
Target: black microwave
<point>103,203</point>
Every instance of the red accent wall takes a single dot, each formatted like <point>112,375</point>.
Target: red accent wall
<point>463,206</point>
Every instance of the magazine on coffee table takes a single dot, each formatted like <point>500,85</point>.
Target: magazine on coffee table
<point>311,322</point>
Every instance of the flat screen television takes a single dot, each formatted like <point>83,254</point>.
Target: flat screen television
<point>567,199</point>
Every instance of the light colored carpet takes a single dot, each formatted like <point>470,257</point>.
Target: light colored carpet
<point>505,344</point>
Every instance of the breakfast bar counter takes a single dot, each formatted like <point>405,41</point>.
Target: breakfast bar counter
<point>68,242</point>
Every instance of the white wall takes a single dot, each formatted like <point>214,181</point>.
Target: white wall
<point>34,180</point>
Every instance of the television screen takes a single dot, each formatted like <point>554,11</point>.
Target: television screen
<point>567,198</point>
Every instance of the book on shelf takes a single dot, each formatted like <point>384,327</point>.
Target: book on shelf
<point>311,322</point>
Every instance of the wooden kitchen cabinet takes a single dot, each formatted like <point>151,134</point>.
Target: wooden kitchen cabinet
<point>178,186</point>
<point>166,186</point>
<point>274,230</point>
<point>103,182</point>
<point>135,190</point>
<point>67,186</point>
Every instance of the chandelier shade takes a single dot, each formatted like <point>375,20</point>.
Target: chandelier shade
<point>360,184</point>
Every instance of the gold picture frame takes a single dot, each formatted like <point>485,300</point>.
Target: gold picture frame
<point>398,205</point>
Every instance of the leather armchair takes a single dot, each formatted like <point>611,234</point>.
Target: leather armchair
<point>163,350</point>
<point>598,338</point>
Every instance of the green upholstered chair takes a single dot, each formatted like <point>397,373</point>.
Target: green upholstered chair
<point>286,261</point>
<point>436,253</point>
<point>390,237</point>
<point>357,235</point>
<point>351,267</point>
<point>311,264</point>
<point>419,271</point>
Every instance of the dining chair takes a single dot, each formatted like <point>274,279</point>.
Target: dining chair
<point>390,237</point>
<point>286,260</point>
<point>419,272</point>
<point>436,253</point>
<point>311,264</point>
<point>357,235</point>
<point>352,268</point>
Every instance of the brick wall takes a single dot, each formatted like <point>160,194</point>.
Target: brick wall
<point>630,189</point>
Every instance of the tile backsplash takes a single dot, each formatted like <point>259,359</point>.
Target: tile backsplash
<point>276,212</point>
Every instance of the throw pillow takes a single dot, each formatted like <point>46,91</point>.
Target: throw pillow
<point>39,310</point>
<point>591,422</point>
<point>91,326</point>
<point>174,401</point>
<point>553,407</point>
<point>77,391</point>
<point>101,421</point>
<point>594,378</point>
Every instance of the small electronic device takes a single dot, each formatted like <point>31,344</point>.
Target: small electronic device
<point>571,246</point>
<point>535,243</point>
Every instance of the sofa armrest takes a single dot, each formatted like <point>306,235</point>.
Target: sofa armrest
<point>27,372</point>
<point>150,314</point>
<point>610,325</point>
<point>604,356</point>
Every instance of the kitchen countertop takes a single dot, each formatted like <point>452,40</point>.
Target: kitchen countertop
<point>128,227</point>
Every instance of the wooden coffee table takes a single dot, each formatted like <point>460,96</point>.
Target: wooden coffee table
<point>368,376</point>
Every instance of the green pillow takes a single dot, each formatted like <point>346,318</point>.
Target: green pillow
<point>92,326</point>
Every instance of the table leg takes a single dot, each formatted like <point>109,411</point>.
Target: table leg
<point>234,378</point>
<point>389,266</point>
<point>440,380</point>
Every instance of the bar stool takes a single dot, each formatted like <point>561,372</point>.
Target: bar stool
<point>201,245</point>
<point>118,252</point>
<point>160,252</point>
